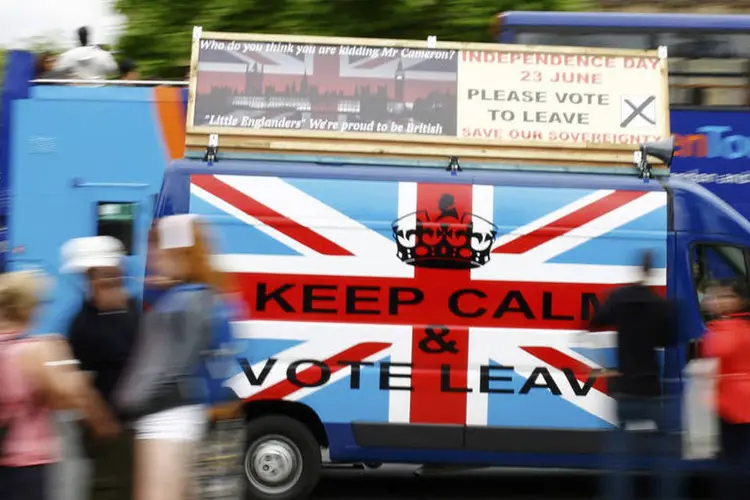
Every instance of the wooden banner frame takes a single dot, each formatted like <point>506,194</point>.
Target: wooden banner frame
<point>317,142</point>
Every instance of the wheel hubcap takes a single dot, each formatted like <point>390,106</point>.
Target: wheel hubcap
<point>273,464</point>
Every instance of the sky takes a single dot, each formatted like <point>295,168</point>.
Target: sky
<point>58,19</point>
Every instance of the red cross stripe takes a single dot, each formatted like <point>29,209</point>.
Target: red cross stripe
<point>568,222</point>
<point>268,215</point>
<point>432,298</point>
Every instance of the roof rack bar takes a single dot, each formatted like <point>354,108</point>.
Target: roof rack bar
<point>62,81</point>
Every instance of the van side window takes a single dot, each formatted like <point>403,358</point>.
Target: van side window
<point>117,219</point>
<point>713,262</point>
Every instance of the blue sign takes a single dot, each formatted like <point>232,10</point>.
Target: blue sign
<point>713,149</point>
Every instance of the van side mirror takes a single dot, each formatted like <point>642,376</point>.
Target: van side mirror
<point>662,150</point>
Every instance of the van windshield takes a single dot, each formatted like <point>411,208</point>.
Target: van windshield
<point>715,261</point>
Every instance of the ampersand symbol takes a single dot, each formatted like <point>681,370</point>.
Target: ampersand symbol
<point>434,341</point>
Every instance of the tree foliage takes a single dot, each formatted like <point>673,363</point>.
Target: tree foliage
<point>3,56</point>
<point>48,42</point>
<point>158,32</point>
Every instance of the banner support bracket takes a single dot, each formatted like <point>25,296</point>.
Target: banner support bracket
<point>454,167</point>
<point>212,150</point>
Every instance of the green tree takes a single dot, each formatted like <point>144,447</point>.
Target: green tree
<point>3,55</point>
<point>48,42</point>
<point>158,33</point>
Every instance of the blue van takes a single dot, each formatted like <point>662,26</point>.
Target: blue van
<point>405,315</point>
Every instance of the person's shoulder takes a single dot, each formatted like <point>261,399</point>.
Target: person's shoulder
<point>73,53</point>
<point>102,54</point>
<point>181,298</point>
<point>66,53</point>
<point>736,323</point>
<point>76,321</point>
<point>35,348</point>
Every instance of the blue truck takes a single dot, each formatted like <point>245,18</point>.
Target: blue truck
<point>334,356</point>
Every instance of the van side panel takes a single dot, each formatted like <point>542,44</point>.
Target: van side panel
<point>389,307</point>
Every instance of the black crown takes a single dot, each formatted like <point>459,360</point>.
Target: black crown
<point>451,240</point>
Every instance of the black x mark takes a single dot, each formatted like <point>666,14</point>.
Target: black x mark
<point>638,111</point>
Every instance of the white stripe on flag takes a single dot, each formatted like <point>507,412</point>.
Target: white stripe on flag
<point>600,226</point>
<point>504,346</point>
<point>321,341</point>
<point>385,266</point>
<point>313,214</point>
<point>517,268</point>
<point>250,220</point>
<point>551,217</point>
<point>483,201</point>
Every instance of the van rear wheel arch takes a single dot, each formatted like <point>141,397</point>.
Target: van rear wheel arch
<point>297,411</point>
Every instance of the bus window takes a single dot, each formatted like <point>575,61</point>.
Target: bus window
<point>705,69</point>
<point>693,45</point>
<point>117,220</point>
<point>582,38</point>
<point>713,262</point>
<point>709,69</point>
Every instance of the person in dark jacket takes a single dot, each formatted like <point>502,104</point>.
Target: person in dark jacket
<point>102,335</point>
<point>644,323</point>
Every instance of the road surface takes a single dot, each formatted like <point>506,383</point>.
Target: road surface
<point>397,482</point>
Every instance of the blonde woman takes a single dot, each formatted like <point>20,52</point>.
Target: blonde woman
<point>162,390</point>
<point>38,375</point>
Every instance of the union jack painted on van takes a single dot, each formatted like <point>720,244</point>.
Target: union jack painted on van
<point>402,302</point>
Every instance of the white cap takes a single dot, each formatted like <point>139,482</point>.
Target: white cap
<point>81,254</point>
<point>176,231</point>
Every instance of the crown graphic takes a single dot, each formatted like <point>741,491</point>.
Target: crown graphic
<point>450,240</point>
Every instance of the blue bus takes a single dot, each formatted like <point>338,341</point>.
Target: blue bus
<point>709,54</point>
<point>709,76</point>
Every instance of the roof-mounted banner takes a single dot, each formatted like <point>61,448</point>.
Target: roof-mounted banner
<point>268,93</point>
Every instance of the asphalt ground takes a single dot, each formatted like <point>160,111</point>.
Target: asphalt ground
<point>398,482</point>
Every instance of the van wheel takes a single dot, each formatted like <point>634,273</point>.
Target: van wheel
<point>282,460</point>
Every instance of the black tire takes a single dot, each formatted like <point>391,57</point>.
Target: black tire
<point>373,465</point>
<point>293,434</point>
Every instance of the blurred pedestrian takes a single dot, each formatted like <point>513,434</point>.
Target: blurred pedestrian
<point>86,62</point>
<point>45,68</point>
<point>728,341</point>
<point>45,62</point>
<point>166,387</point>
<point>129,70</point>
<point>644,323</point>
<point>711,301</point>
<point>39,375</point>
<point>102,334</point>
